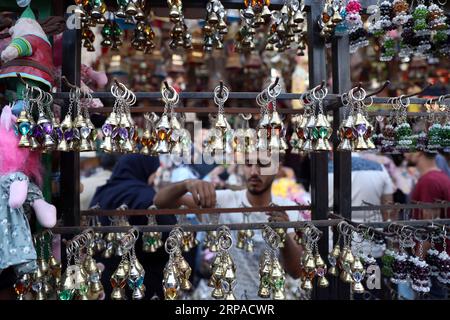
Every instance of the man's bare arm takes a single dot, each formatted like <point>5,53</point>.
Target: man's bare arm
<point>174,195</point>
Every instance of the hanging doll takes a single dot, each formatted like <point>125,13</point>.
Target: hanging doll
<point>30,55</point>
<point>19,194</point>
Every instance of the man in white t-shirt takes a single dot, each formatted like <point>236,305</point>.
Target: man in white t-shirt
<point>370,183</point>
<point>198,193</point>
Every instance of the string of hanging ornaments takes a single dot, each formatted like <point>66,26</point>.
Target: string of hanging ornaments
<point>286,26</point>
<point>351,261</point>
<point>40,130</point>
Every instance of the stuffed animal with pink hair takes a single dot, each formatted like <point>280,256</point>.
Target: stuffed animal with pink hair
<point>20,175</point>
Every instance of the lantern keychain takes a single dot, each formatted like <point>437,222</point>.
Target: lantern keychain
<point>176,272</point>
<point>322,128</point>
<point>218,141</point>
<point>276,130</point>
<point>272,274</point>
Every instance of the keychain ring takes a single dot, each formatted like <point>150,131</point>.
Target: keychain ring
<point>408,100</point>
<point>276,91</point>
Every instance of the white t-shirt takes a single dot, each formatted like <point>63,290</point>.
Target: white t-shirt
<point>247,263</point>
<point>370,181</point>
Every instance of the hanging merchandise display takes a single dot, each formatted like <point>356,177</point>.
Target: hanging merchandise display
<point>420,272</point>
<point>245,138</point>
<point>255,15</point>
<point>74,281</point>
<point>169,134</point>
<point>271,131</point>
<point>331,17</point>
<point>215,28</point>
<point>211,237</point>
<point>180,36</point>
<point>287,27</point>
<point>355,132</point>
<point>271,273</point>
<point>148,138</point>
<point>119,129</point>
<point>220,136</point>
<point>223,269</point>
<point>177,271</point>
<point>357,33</point>
<point>404,140</point>
<point>188,241</point>
<point>312,264</point>
<point>151,241</point>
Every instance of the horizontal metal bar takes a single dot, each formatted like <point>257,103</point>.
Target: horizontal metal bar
<point>196,228</point>
<point>144,212</point>
<point>233,110</point>
<point>185,95</point>
<point>435,205</point>
<point>408,114</point>
<point>239,226</point>
<point>413,223</point>
<point>188,211</point>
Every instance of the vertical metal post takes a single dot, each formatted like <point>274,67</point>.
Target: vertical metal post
<point>319,161</point>
<point>70,161</point>
<point>342,165</point>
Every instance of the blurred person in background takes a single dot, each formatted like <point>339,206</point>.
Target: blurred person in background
<point>131,183</point>
<point>370,183</point>
<point>97,177</point>
<point>442,162</point>
<point>198,193</point>
<point>433,185</point>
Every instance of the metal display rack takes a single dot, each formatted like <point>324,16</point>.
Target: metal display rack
<point>70,161</point>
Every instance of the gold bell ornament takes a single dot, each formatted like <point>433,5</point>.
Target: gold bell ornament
<point>24,128</point>
<point>346,134</point>
<point>119,280</point>
<point>347,259</point>
<point>66,132</point>
<point>136,276</point>
<point>148,137</point>
<point>310,141</point>
<point>333,257</point>
<point>322,133</point>
<point>163,127</point>
<point>309,270</point>
<point>173,278</point>
<point>358,273</point>
<point>151,241</point>
<point>270,263</point>
<point>212,236</point>
<point>108,129</point>
<point>223,277</point>
<point>245,237</point>
<point>184,271</point>
<point>22,286</point>
<point>294,141</point>
<point>95,287</point>
<point>321,271</point>
<point>45,126</point>
<point>265,270</point>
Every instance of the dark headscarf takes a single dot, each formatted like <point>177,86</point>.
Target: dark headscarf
<point>128,184</point>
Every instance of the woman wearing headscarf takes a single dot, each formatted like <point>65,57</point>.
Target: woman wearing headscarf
<point>129,185</point>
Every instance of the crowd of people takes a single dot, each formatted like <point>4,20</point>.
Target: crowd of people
<point>140,181</point>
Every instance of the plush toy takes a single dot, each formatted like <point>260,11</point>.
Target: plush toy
<point>30,55</point>
<point>19,195</point>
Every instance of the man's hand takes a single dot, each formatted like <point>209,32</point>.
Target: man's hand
<point>278,216</point>
<point>203,192</point>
